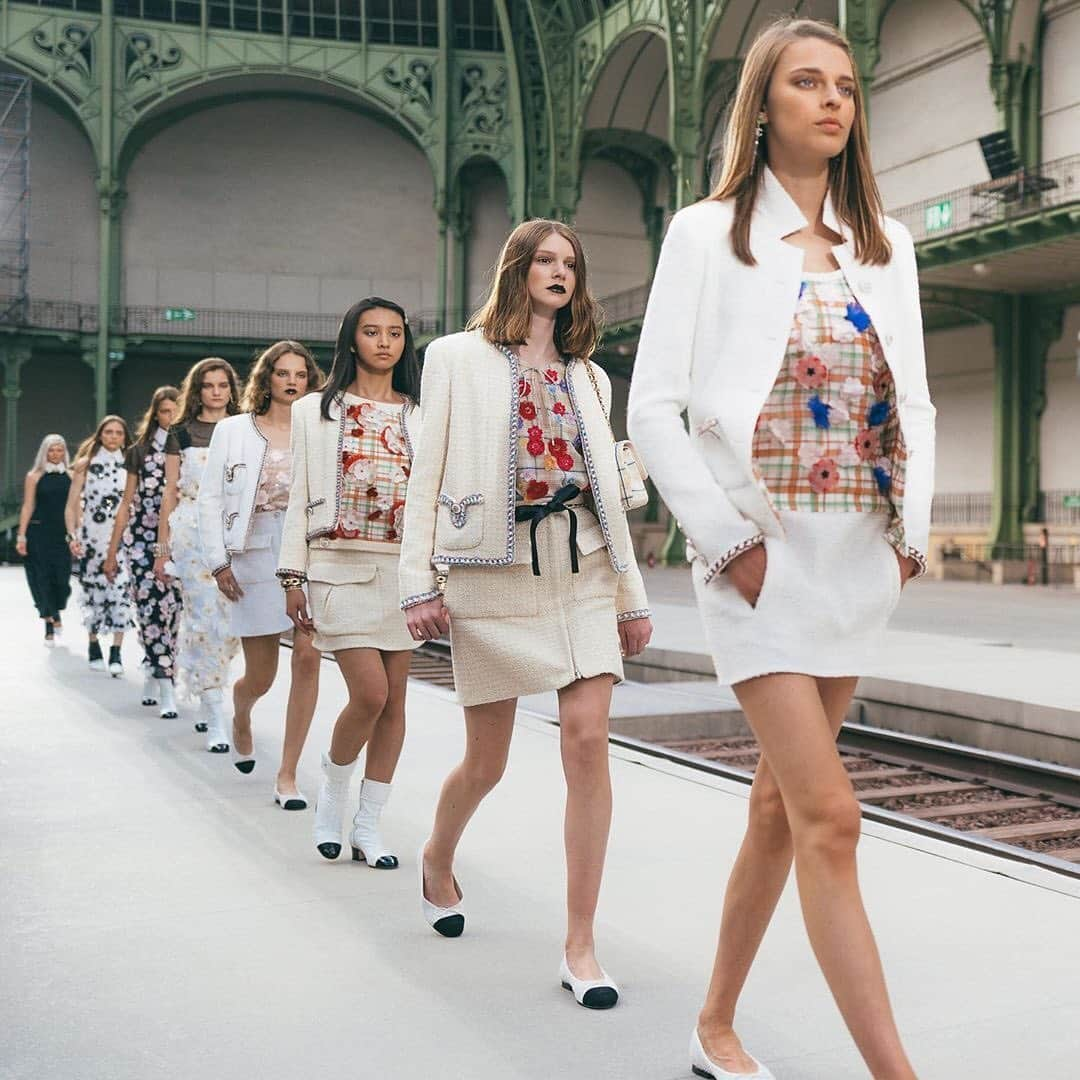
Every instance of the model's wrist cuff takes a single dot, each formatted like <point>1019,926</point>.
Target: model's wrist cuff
<point>637,613</point>
<point>731,555</point>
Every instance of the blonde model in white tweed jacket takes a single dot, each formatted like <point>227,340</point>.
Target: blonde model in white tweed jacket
<point>459,512</point>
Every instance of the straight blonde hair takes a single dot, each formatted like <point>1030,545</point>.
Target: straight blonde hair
<point>852,184</point>
<point>42,458</point>
<point>506,315</point>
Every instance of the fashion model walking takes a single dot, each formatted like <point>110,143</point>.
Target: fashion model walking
<point>41,539</point>
<point>206,645</point>
<point>242,502</point>
<point>784,318</point>
<point>97,488</point>
<point>352,456</point>
<point>156,601</point>
<point>516,541</point>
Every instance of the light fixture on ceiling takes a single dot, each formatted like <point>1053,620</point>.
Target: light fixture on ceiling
<point>980,269</point>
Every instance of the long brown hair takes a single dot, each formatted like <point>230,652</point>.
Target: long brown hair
<point>147,425</point>
<point>506,315</point>
<point>852,186</point>
<point>89,447</point>
<point>191,391</point>
<point>256,396</point>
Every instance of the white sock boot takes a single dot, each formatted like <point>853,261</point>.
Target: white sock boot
<point>330,806</point>
<point>213,710</point>
<point>149,689</point>
<point>367,845</point>
<point>167,698</point>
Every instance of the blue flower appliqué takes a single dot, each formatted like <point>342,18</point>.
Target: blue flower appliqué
<point>878,413</point>
<point>857,316</point>
<point>802,289</point>
<point>820,411</point>
<point>884,480</point>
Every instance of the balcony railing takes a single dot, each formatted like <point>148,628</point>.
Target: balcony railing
<point>963,508</point>
<point>993,201</point>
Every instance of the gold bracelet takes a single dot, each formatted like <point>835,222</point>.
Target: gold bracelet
<point>288,583</point>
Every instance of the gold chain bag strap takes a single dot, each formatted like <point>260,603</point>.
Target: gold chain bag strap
<point>632,474</point>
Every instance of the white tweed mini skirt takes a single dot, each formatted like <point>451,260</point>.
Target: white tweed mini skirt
<point>513,633</point>
<point>831,584</point>
<point>354,598</point>
<point>261,610</point>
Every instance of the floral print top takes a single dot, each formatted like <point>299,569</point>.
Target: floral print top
<point>375,466</point>
<point>273,490</point>
<point>549,446</point>
<point>828,437</point>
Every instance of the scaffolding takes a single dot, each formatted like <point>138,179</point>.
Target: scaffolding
<point>14,198</point>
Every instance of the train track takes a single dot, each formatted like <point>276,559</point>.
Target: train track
<point>1023,810</point>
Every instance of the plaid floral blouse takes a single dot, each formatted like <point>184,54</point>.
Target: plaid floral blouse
<point>549,446</point>
<point>828,438</point>
<point>374,472</point>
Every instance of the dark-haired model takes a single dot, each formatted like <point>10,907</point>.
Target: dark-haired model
<point>515,491</point>
<point>157,601</point>
<point>352,456</point>
<point>784,317</point>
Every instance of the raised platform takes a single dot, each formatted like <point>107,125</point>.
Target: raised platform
<point>161,918</point>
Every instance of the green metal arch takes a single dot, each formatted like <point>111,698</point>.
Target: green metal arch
<point>56,98</point>
<point>593,82</point>
<point>480,156</point>
<point>516,182</point>
<point>172,108</point>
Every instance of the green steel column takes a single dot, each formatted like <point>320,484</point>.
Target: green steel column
<point>442,106</point>
<point>861,22</point>
<point>13,356</point>
<point>440,271</point>
<point>1024,330</point>
<point>461,226</point>
<point>109,201</point>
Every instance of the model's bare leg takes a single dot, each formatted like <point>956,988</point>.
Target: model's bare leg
<point>384,747</point>
<point>488,729</point>
<point>260,667</point>
<point>303,695</point>
<point>583,722</point>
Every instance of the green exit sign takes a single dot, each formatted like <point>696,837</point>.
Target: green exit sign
<point>939,216</point>
<point>1072,502</point>
<point>179,314</point>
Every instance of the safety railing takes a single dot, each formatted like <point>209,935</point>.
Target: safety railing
<point>1053,554</point>
<point>1054,183</point>
<point>962,508</point>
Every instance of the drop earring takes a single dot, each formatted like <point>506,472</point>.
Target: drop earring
<point>757,135</point>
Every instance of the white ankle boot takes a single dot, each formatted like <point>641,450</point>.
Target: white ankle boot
<point>167,698</point>
<point>367,845</point>
<point>330,806</point>
<point>213,711</point>
<point>149,689</point>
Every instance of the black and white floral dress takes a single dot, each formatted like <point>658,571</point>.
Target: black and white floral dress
<point>157,605</point>
<point>106,605</point>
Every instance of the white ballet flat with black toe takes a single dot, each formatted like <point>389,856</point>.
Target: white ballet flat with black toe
<point>244,762</point>
<point>450,922</point>
<point>702,1065</point>
<point>599,993</point>
<point>290,802</point>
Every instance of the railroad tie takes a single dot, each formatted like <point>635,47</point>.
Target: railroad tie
<point>1034,830</point>
<point>875,795</point>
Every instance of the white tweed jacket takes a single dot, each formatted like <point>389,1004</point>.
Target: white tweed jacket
<point>315,493</point>
<point>712,342</point>
<point>459,509</point>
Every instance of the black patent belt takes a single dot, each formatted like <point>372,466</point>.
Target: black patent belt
<point>536,512</point>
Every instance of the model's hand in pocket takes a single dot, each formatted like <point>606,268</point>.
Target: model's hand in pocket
<point>429,620</point>
<point>747,573</point>
<point>908,568</point>
<point>228,584</point>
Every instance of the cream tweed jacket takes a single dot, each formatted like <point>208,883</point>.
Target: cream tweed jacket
<point>459,509</point>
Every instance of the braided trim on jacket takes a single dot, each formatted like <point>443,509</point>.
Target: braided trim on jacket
<point>920,558</point>
<point>419,598</point>
<point>637,613</point>
<point>731,555</point>
<point>282,572</point>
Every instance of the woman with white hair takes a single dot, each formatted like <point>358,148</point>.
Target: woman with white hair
<point>41,538</point>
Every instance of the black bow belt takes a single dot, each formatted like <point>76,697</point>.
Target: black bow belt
<point>536,512</point>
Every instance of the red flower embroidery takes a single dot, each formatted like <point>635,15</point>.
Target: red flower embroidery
<point>551,375</point>
<point>566,462</point>
<point>559,409</point>
<point>527,410</point>
<point>811,373</point>
<point>536,489</point>
<point>558,446</point>
<point>824,476</point>
<point>535,447</point>
<point>536,432</point>
<point>524,389</point>
<point>372,492</point>
<point>868,444</point>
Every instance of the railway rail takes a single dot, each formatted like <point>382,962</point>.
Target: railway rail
<point>1024,810</point>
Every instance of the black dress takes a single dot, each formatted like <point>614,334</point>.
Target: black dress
<point>48,560</point>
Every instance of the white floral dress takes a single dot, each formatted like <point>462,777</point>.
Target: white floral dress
<point>206,646</point>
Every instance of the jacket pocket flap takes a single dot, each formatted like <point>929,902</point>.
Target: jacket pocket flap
<point>333,573</point>
<point>590,539</point>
